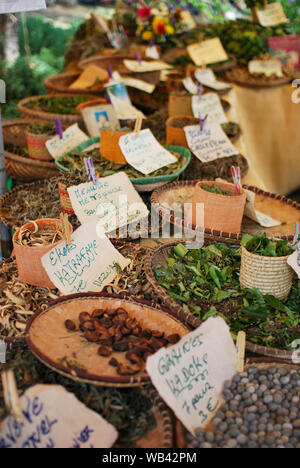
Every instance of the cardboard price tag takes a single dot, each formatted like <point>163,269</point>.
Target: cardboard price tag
<point>98,117</point>
<point>209,144</point>
<point>54,418</point>
<point>209,104</point>
<point>144,152</point>
<point>137,67</point>
<point>189,85</point>
<point>189,376</point>
<point>208,79</point>
<point>271,15</point>
<point>16,6</point>
<point>266,67</point>
<point>209,51</point>
<point>72,137</point>
<point>139,84</point>
<point>152,52</point>
<point>87,265</point>
<point>89,77</point>
<point>114,196</point>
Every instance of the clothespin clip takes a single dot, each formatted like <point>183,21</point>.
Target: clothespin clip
<point>295,244</point>
<point>109,71</point>
<point>138,125</point>
<point>236,175</point>
<point>199,89</point>
<point>202,122</point>
<point>66,227</point>
<point>241,348</point>
<point>90,170</point>
<point>139,58</point>
<point>11,396</point>
<point>151,43</point>
<point>58,128</point>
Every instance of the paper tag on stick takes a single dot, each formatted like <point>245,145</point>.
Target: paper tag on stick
<point>208,79</point>
<point>190,375</point>
<point>209,104</point>
<point>87,265</point>
<point>116,190</point>
<point>144,66</point>
<point>144,152</point>
<point>72,137</point>
<point>54,418</point>
<point>271,15</point>
<point>265,67</point>
<point>209,51</point>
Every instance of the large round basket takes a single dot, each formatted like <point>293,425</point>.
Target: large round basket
<point>19,167</point>
<point>34,115</point>
<point>241,77</point>
<point>158,256</point>
<point>48,326</point>
<point>60,84</point>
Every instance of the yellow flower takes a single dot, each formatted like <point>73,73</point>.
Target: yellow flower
<point>169,29</point>
<point>147,35</point>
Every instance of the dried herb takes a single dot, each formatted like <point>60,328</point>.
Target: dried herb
<point>262,245</point>
<point>38,236</point>
<point>206,283</point>
<point>18,150</point>
<point>217,189</point>
<point>42,129</point>
<point>57,104</point>
<point>129,410</point>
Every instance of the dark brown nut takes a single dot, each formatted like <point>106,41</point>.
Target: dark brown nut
<point>157,334</point>
<point>111,313</point>
<point>173,338</point>
<point>113,362</point>
<point>70,325</point>
<point>88,325</point>
<point>133,357</point>
<point>146,334</point>
<point>121,347</point>
<point>106,322</point>
<point>104,351</point>
<point>111,331</point>
<point>118,334</point>
<point>83,316</point>
<point>154,345</point>
<point>137,330</point>
<point>124,369</point>
<point>120,311</point>
<point>125,331</point>
<point>106,341</point>
<point>142,350</point>
<point>98,313</point>
<point>91,336</point>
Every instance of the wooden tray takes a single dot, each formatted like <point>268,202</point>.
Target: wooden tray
<point>50,342</point>
<point>19,167</point>
<point>159,256</point>
<point>277,206</point>
<point>60,84</point>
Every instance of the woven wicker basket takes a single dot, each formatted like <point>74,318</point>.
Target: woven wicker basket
<point>65,201</point>
<point>271,275</point>
<point>180,103</point>
<point>34,115</point>
<point>252,81</point>
<point>60,84</point>
<point>37,146</point>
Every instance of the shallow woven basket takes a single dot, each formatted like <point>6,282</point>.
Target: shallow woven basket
<point>158,256</point>
<point>60,84</point>
<point>271,275</point>
<point>34,115</point>
<point>47,326</point>
<point>19,167</point>
<point>234,76</point>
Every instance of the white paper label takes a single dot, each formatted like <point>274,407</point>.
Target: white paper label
<point>144,152</point>
<point>271,15</point>
<point>209,51</point>
<point>209,104</point>
<point>54,418</point>
<point>15,6</point>
<point>189,85</point>
<point>98,117</point>
<point>190,375</point>
<point>209,144</point>
<point>72,137</point>
<point>265,67</point>
<point>208,79</point>
<point>152,52</point>
<point>139,84</point>
<point>135,66</point>
<point>294,262</point>
<point>87,265</point>
<point>114,197</point>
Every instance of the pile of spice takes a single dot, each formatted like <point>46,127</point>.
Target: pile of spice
<point>261,410</point>
<point>116,332</point>
<point>38,236</point>
<point>42,129</point>
<point>57,104</point>
<point>206,283</point>
<point>218,190</point>
<point>129,410</point>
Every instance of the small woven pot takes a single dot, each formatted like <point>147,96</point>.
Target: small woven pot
<point>65,201</point>
<point>180,103</point>
<point>175,129</point>
<point>271,275</point>
<point>221,212</point>
<point>37,146</point>
<point>29,259</point>
<point>109,146</point>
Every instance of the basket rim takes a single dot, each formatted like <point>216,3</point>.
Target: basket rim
<point>210,232</point>
<point>219,195</point>
<point>256,82</point>
<point>84,376</point>
<point>191,319</point>
<point>265,257</point>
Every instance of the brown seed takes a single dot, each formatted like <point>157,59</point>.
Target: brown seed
<point>111,331</point>
<point>157,334</point>
<point>113,362</point>
<point>125,331</point>
<point>70,325</point>
<point>106,322</point>
<point>154,345</point>
<point>173,338</point>
<point>104,351</point>
<point>98,313</point>
<point>83,316</point>
<point>111,313</point>
<point>137,330</point>
<point>123,369</point>
<point>146,334</point>
<point>121,347</point>
<point>88,325</point>
<point>91,336</point>
<point>121,311</point>
<point>106,341</point>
